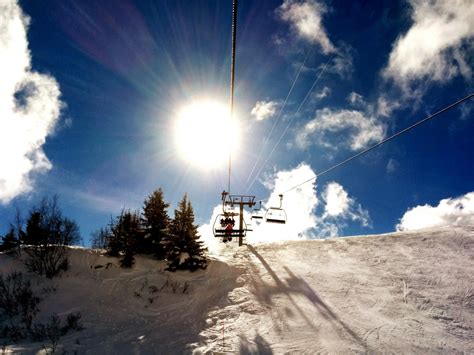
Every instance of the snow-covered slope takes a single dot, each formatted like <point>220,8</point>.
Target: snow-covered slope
<point>394,293</point>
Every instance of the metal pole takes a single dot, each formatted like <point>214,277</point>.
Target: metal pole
<point>241,224</point>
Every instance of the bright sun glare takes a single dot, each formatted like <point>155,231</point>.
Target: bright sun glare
<point>204,134</point>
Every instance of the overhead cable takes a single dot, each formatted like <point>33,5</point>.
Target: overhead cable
<point>365,151</point>
<point>267,138</point>
<point>232,78</point>
<point>290,121</point>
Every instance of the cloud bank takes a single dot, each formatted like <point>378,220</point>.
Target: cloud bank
<point>457,211</point>
<point>437,44</point>
<point>305,19</point>
<point>29,107</point>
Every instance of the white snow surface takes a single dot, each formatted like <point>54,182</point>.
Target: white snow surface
<point>404,292</point>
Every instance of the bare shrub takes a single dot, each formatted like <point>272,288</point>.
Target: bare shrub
<point>17,299</point>
<point>73,322</point>
<point>53,331</point>
<point>47,234</point>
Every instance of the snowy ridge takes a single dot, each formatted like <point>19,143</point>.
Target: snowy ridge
<point>393,293</point>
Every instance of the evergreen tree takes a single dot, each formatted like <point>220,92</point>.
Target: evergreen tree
<point>125,232</point>
<point>10,242</point>
<point>156,222</point>
<point>35,231</point>
<point>186,251</point>
<point>114,245</point>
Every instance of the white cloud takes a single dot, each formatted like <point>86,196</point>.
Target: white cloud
<point>337,200</point>
<point>305,18</point>
<point>356,99</point>
<point>360,129</point>
<point>298,203</point>
<point>457,211</point>
<point>437,44</point>
<point>264,109</point>
<point>339,207</point>
<point>29,107</point>
<point>325,92</point>
<point>385,107</point>
<point>300,206</point>
<point>341,63</point>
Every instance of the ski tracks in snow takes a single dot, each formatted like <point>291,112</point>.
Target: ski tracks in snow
<point>384,294</point>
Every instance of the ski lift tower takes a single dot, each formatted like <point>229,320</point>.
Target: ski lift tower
<point>241,201</point>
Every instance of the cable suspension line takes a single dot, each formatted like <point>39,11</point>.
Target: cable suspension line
<point>267,138</point>
<point>365,151</point>
<point>232,79</point>
<point>290,121</point>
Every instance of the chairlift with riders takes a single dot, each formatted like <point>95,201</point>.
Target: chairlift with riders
<point>225,225</point>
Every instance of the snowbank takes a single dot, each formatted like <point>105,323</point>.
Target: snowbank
<point>396,293</point>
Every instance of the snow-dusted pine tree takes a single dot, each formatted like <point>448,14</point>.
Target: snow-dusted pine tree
<point>186,252</point>
<point>156,222</point>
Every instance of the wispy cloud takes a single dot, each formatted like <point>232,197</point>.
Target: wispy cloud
<point>323,93</point>
<point>457,211</point>
<point>385,106</point>
<point>305,18</point>
<point>392,166</point>
<point>264,109</point>
<point>341,63</point>
<point>326,127</point>
<point>356,99</point>
<point>437,44</point>
<point>29,107</point>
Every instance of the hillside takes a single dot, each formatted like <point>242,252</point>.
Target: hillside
<point>393,293</point>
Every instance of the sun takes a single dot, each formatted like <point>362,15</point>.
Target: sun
<point>205,134</point>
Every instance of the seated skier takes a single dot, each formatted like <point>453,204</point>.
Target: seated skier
<point>228,233</point>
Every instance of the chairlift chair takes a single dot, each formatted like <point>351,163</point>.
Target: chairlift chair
<point>276,214</point>
<point>257,213</point>
<point>226,225</point>
<point>226,222</point>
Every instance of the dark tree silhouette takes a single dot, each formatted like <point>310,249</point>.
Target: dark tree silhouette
<point>156,222</point>
<point>186,251</point>
<point>99,238</point>
<point>10,242</point>
<point>47,235</point>
<point>125,231</point>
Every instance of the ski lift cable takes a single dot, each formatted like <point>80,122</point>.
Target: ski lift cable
<point>289,123</point>
<point>232,78</point>
<point>365,151</point>
<point>267,138</point>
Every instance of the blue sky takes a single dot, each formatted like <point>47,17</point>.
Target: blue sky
<point>107,81</point>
